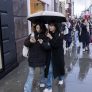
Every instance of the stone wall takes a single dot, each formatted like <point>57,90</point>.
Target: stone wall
<point>21,25</point>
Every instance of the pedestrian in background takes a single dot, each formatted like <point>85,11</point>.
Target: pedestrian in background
<point>65,30</point>
<point>69,36</point>
<point>85,35</point>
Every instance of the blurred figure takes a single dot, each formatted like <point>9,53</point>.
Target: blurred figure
<point>78,28</point>
<point>76,37</point>
<point>90,28</point>
<point>65,32</point>
<point>77,31</point>
<point>69,36</point>
<point>85,35</point>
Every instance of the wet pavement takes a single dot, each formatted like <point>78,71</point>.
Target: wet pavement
<point>78,74</point>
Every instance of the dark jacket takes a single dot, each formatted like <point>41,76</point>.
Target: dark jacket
<point>37,51</point>
<point>69,34</point>
<point>84,33</point>
<point>57,54</point>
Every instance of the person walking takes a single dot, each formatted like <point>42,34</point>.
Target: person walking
<point>85,35</point>
<point>64,28</point>
<point>57,53</point>
<point>37,46</point>
<point>69,36</point>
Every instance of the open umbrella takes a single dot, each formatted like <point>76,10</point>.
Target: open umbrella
<point>46,17</point>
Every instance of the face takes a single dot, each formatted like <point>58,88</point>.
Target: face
<point>52,28</point>
<point>38,29</point>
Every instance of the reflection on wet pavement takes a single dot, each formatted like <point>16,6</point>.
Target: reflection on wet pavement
<point>78,74</point>
<point>80,77</point>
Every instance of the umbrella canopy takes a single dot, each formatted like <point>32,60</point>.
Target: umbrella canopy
<point>47,16</point>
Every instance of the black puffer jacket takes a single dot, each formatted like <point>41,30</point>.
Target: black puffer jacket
<point>37,51</point>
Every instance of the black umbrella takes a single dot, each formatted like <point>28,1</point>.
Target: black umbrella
<point>46,17</point>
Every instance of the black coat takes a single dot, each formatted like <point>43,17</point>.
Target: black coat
<point>84,34</point>
<point>57,54</point>
<point>37,51</point>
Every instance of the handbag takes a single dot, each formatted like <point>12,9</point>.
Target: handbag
<point>25,51</point>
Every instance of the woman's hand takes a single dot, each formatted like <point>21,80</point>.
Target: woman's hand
<point>49,36</point>
<point>40,41</point>
<point>32,40</point>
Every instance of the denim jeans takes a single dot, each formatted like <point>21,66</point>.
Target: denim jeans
<point>35,76</point>
<point>61,77</point>
<point>50,78</point>
<point>48,81</point>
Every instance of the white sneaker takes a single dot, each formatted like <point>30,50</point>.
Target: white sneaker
<point>50,90</point>
<point>61,82</point>
<point>42,85</point>
<point>46,90</point>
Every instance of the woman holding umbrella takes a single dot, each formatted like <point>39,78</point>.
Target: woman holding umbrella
<point>37,45</point>
<point>57,60</point>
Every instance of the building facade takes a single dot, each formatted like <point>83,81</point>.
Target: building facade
<point>62,7</point>
<point>52,5</point>
<point>56,5</point>
<point>13,30</point>
<point>36,6</point>
<point>69,8</point>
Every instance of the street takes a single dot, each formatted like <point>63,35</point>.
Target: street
<point>39,30</point>
<point>78,75</point>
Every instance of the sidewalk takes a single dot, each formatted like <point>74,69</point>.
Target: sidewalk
<point>78,75</point>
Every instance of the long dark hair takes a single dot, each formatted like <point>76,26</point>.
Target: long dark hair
<point>42,27</point>
<point>57,31</point>
<point>56,26</point>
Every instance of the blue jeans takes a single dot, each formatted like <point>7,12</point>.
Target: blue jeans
<point>35,76</point>
<point>50,78</point>
<point>48,81</point>
<point>61,77</point>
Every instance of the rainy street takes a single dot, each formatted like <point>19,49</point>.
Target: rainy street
<point>78,75</point>
<point>45,45</point>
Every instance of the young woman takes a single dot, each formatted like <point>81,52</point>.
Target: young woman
<point>85,36</point>
<point>37,45</point>
<point>57,52</point>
